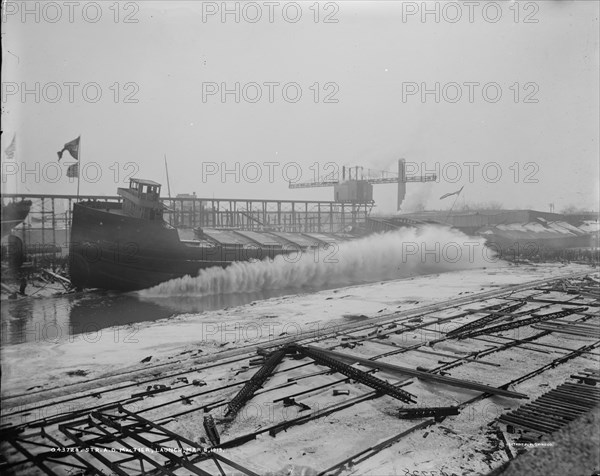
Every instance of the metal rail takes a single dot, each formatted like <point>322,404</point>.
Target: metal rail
<point>523,322</point>
<point>487,319</point>
<point>255,383</point>
<point>454,382</point>
<point>325,358</point>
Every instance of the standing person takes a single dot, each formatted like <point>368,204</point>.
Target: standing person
<point>23,285</point>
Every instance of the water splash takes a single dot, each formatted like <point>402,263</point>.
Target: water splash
<point>391,255</point>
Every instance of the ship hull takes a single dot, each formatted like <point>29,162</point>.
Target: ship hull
<point>13,215</point>
<point>109,250</point>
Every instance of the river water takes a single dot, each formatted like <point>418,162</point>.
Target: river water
<point>56,318</point>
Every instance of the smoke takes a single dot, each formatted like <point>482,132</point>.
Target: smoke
<point>417,199</point>
<point>393,255</point>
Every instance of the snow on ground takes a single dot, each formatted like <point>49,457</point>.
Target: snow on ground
<point>110,351</point>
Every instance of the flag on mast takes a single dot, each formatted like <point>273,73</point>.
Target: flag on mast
<point>453,193</point>
<point>71,147</point>
<point>11,149</point>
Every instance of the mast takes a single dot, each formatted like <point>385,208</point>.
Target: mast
<point>80,158</point>
<point>453,203</point>
<point>168,183</point>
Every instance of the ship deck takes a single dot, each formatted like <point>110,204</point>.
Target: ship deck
<point>262,239</point>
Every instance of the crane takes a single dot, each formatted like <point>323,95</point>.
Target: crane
<point>358,187</point>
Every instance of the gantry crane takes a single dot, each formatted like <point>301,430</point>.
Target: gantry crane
<point>358,186</point>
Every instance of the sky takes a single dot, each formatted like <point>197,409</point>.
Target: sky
<point>498,97</point>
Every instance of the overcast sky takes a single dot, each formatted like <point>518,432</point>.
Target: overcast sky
<point>371,61</point>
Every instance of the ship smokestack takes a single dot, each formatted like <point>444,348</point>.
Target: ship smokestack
<point>401,182</point>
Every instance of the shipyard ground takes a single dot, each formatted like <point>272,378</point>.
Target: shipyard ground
<point>168,375</point>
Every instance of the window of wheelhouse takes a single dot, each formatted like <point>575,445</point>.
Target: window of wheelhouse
<point>133,185</point>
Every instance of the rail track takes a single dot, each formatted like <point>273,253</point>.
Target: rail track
<point>538,324</point>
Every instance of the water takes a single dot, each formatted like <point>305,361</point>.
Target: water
<point>57,318</point>
<point>400,254</point>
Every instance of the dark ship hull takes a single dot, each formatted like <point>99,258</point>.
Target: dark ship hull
<point>13,214</point>
<point>113,251</point>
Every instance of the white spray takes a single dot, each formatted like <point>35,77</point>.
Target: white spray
<point>392,255</point>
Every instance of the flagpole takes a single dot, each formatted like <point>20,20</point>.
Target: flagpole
<point>168,183</point>
<point>79,166</point>
<point>9,154</point>
<point>453,203</point>
<point>14,141</point>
